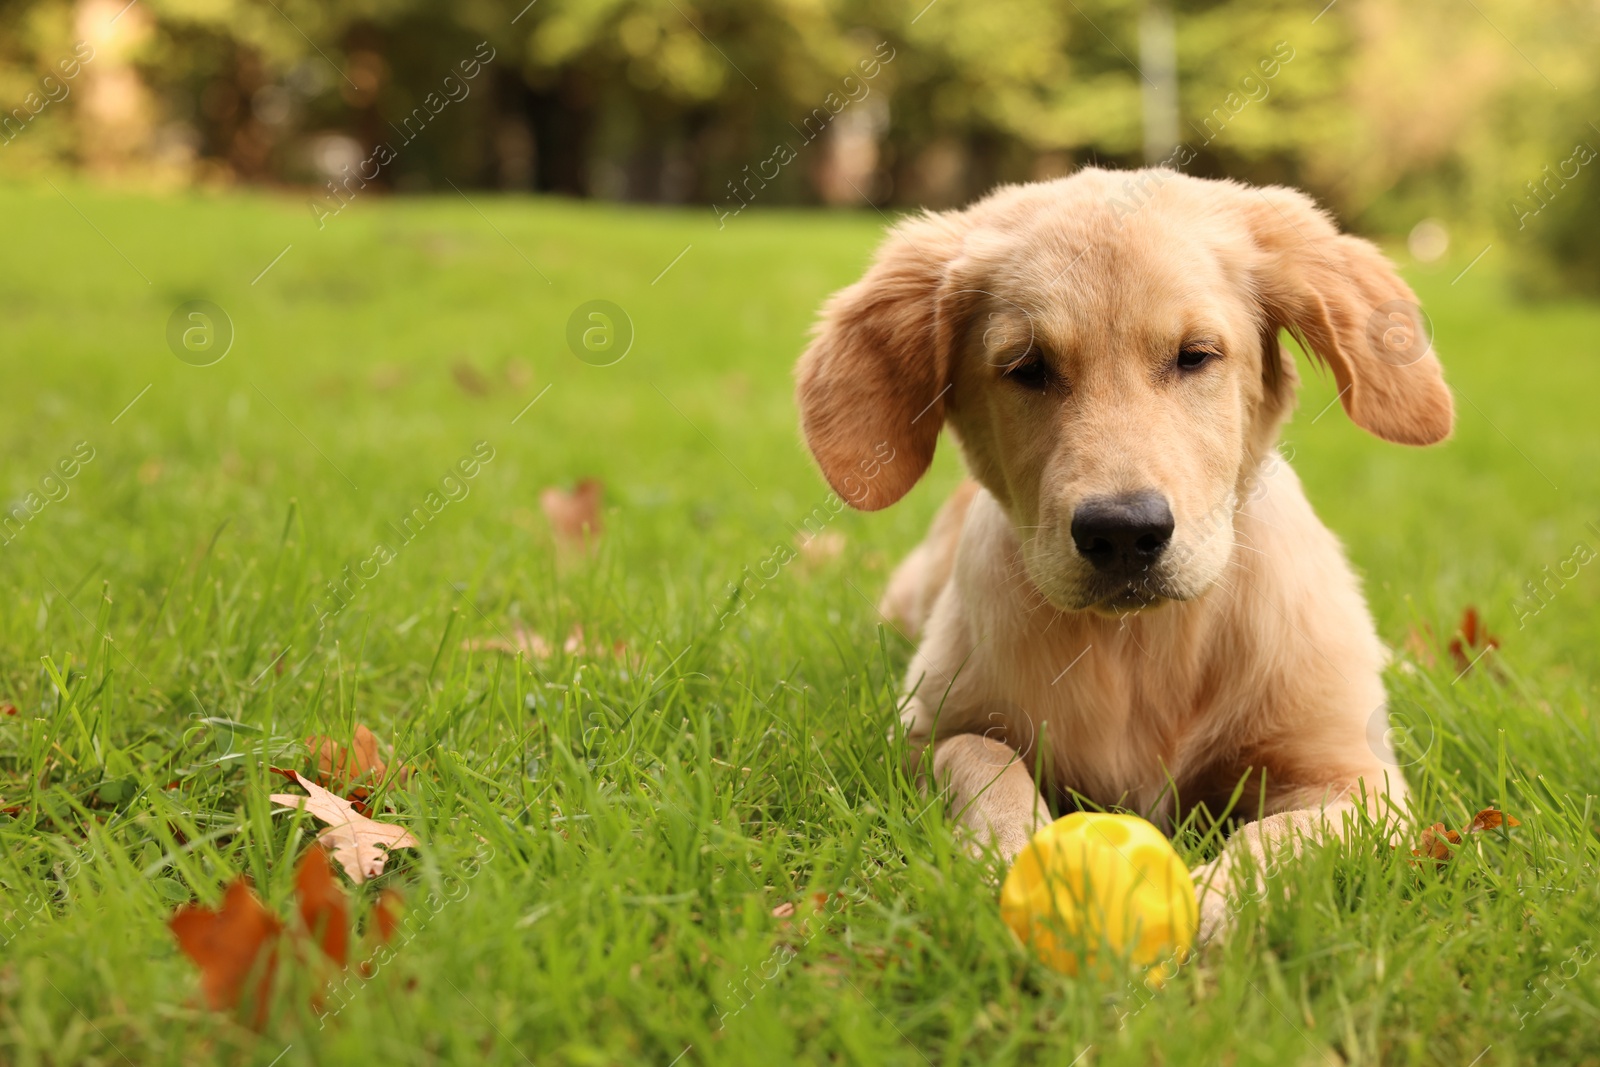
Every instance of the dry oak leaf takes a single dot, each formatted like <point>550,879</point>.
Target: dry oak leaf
<point>335,763</point>
<point>790,915</point>
<point>240,945</point>
<point>1432,843</point>
<point>386,916</point>
<point>820,548</point>
<point>358,844</point>
<point>387,376</point>
<point>324,909</point>
<point>575,645</point>
<point>1472,642</point>
<point>1420,644</point>
<point>518,373</point>
<point>361,764</point>
<point>469,378</point>
<point>528,642</point>
<point>235,947</point>
<point>1490,819</point>
<point>533,645</point>
<point>386,913</point>
<point>574,516</point>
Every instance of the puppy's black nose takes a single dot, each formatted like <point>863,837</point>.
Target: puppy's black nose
<point>1122,533</point>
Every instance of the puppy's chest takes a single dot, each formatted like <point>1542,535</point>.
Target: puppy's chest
<point>1115,729</point>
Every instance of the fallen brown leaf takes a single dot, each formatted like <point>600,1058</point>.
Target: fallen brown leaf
<point>574,645</point>
<point>518,373</point>
<point>528,642</point>
<point>1434,842</point>
<point>235,946</point>
<point>353,771</point>
<point>387,376</point>
<point>323,907</point>
<point>1490,819</point>
<point>820,548</point>
<point>386,914</point>
<point>469,378</point>
<point>1420,644</point>
<point>1472,642</point>
<point>574,516</point>
<point>240,945</point>
<point>533,645</point>
<point>358,844</point>
<point>815,904</point>
<point>335,763</point>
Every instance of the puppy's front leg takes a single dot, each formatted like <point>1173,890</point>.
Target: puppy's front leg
<point>1269,842</point>
<point>991,792</point>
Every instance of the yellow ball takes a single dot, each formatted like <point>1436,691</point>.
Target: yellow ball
<point>1091,883</point>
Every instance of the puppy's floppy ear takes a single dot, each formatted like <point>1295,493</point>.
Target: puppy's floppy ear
<point>1345,303</point>
<point>871,386</point>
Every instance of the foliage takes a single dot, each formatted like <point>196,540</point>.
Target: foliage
<point>603,842</point>
<point>1389,111</point>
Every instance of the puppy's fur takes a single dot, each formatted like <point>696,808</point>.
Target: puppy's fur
<point>1043,326</point>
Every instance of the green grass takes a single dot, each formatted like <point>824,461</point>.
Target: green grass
<point>159,638</point>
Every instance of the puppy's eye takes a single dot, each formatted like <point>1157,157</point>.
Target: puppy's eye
<point>1193,357</point>
<point>1030,372</point>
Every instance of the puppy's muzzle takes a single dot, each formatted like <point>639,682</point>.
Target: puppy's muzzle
<point>1123,536</point>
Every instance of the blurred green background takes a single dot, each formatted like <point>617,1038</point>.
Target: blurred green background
<point>398,210</point>
<point>1474,118</point>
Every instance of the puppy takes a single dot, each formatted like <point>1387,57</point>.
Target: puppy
<point>1132,603</point>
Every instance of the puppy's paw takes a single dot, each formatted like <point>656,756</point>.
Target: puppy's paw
<point>1217,914</point>
<point>1000,845</point>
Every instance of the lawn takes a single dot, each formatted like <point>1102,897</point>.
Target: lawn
<point>604,837</point>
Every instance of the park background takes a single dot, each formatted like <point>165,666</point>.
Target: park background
<point>1476,113</point>
<point>658,812</point>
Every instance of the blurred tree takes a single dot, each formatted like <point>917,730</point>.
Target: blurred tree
<point>1388,111</point>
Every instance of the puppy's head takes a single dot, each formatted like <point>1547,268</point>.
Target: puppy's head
<point>1105,349</point>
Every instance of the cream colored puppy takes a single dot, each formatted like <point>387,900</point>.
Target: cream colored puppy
<point>1134,602</point>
